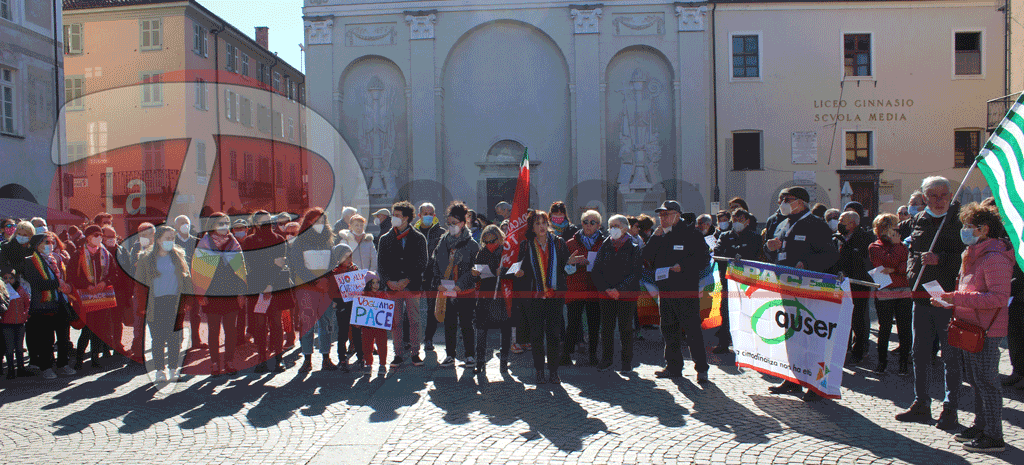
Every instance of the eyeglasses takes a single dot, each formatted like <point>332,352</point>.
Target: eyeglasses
<point>783,200</point>
<point>492,241</point>
<point>222,224</point>
<point>453,224</point>
<point>592,223</point>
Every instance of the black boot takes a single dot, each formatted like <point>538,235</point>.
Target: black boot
<point>882,363</point>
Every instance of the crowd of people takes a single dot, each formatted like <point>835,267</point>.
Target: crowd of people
<point>265,281</point>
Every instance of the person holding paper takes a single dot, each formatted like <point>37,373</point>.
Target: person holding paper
<point>89,272</point>
<point>682,250</point>
<point>889,253</point>
<point>927,264</point>
<point>545,265</point>
<point>617,271</point>
<point>853,241</point>
<point>310,275</point>
<point>740,240</point>
<point>219,277</point>
<point>364,257</point>
<point>12,322</point>
<point>342,309</point>
<point>401,259</point>
<point>163,271</point>
<point>980,299</point>
<point>582,295</point>
<point>264,254</point>
<point>453,261</point>
<point>490,305</point>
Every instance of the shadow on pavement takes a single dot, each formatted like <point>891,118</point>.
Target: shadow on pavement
<point>714,407</point>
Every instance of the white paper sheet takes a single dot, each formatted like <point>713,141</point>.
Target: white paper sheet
<point>936,291</point>
<point>881,279</point>
<point>661,274</point>
<point>591,256</point>
<point>485,271</point>
<point>262,304</point>
<point>514,268</point>
<point>449,285</point>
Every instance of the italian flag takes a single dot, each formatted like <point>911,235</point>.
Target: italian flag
<point>1001,161</point>
<point>516,226</point>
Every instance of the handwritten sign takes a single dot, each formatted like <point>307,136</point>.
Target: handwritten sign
<point>372,312</point>
<point>351,284</point>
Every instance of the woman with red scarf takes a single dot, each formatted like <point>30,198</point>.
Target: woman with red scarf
<point>89,273</point>
<point>48,310</point>
<point>219,276</point>
<point>264,252</point>
<point>582,296</point>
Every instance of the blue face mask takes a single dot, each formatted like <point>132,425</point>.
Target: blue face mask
<point>913,210</point>
<point>22,239</point>
<point>968,237</point>
<point>932,214</point>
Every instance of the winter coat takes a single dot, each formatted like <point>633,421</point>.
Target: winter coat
<point>396,261</point>
<point>807,239</point>
<point>490,306</point>
<point>17,308</point>
<point>684,246</point>
<point>146,272</point>
<point>581,284</point>
<point>854,260</point>
<point>890,255</point>
<point>948,248</point>
<point>530,282</point>
<point>984,288</point>
<point>466,250</point>
<point>618,269</point>
<point>364,253</point>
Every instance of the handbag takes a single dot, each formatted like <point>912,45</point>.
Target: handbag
<point>968,336</point>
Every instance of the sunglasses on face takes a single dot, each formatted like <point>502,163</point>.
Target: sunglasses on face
<point>592,223</point>
<point>491,241</point>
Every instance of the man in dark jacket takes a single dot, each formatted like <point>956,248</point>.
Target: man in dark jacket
<point>804,241</point>
<point>942,264</point>
<point>740,240</point>
<point>678,254</point>
<point>401,259</point>
<point>381,218</point>
<point>429,225</point>
<point>852,241</point>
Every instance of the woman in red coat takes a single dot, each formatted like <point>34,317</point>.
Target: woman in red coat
<point>582,296</point>
<point>890,253</point>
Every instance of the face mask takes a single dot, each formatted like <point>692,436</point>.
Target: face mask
<point>428,220</point>
<point>184,229</point>
<point>167,245</point>
<point>615,233</point>
<point>833,224</point>
<point>932,214</point>
<point>143,242</point>
<point>786,209</point>
<point>968,237</point>
<point>222,230</point>
<point>96,241</point>
<point>557,219</point>
<point>22,239</point>
<point>455,230</point>
<point>41,230</point>
<point>376,221</point>
<point>842,229</point>
<point>395,221</point>
<point>723,225</point>
<point>913,210</point>
<point>319,228</point>
<point>240,234</point>
<point>47,249</point>
<point>493,247</point>
<point>111,242</point>
<point>738,227</point>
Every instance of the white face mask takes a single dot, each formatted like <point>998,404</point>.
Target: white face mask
<point>834,225</point>
<point>41,230</point>
<point>738,227</point>
<point>615,233</point>
<point>455,230</point>
<point>110,242</point>
<point>96,241</point>
<point>143,242</point>
<point>167,245</point>
<point>723,225</point>
<point>786,209</point>
<point>240,234</point>
<point>184,229</point>
<point>22,239</point>
<point>395,221</point>
<point>223,230</point>
<point>319,228</point>
<point>376,221</point>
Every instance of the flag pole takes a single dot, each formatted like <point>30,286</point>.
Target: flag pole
<point>935,239</point>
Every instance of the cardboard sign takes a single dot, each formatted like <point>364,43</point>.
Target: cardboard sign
<point>372,312</point>
<point>351,284</point>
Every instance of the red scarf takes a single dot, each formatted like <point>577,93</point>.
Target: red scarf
<point>220,240</point>
<point>401,236</point>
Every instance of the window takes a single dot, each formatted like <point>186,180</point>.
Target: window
<point>248,167</point>
<point>746,150</point>
<point>200,44</point>
<point>97,133</point>
<point>858,148</point>
<point>967,53</point>
<point>72,39</point>
<point>245,64</point>
<point>152,95</point>
<point>201,158</point>
<point>287,86</point>
<point>234,165</point>
<point>966,145</point>
<point>151,34</point>
<point>7,103</point>
<point>857,54</point>
<point>229,105</point>
<point>262,119</point>
<point>263,73</point>
<point>746,56</point>
<point>291,129</point>
<point>5,10</point>
<point>76,151</point>
<point>201,95</point>
<point>278,121</point>
<point>245,111</point>
<point>74,88</point>
<point>232,56</point>
<point>277,81</point>
<point>153,155</point>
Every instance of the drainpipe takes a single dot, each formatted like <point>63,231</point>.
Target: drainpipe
<point>716,193</point>
<point>57,108</point>
<point>216,93</point>
<point>273,140</point>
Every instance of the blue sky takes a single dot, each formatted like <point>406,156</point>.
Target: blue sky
<point>283,17</point>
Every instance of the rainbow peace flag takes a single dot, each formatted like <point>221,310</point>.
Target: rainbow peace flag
<point>710,297</point>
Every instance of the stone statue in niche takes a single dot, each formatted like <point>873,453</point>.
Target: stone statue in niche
<point>377,138</point>
<point>640,149</point>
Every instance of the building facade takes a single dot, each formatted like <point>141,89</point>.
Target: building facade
<point>626,103</point>
<point>31,93</point>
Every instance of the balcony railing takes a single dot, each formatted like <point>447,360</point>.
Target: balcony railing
<point>158,181</point>
<point>997,109</point>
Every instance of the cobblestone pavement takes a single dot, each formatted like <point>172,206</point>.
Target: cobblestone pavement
<point>432,414</point>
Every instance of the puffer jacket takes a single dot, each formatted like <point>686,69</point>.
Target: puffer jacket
<point>984,286</point>
<point>364,254</point>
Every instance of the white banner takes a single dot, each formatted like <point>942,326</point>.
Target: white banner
<point>790,323</point>
<point>372,312</point>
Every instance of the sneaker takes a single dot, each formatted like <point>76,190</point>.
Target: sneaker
<point>948,419</point>
<point>49,374</point>
<point>985,444</point>
<point>470,361</point>
<point>328,365</point>
<point>66,370</point>
<point>448,361</point>
<point>397,362</point>
<point>702,377</point>
<point>968,434</point>
<point>160,377</point>
<point>666,373</point>
<point>416,360</point>
<point>785,388</point>
<point>919,412</point>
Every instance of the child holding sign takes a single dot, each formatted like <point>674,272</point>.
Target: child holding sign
<point>343,308</point>
<point>374,336</point>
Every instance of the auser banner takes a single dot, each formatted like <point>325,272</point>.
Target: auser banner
<point>790,323</point>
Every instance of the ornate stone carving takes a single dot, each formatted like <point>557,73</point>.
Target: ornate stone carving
<point>640,24</point>
<point>319,32</point>
<point>638,133</point>
<point>362,35</point>
<point>421,27</point>
<point>377,139</point>
<point>691,19</point>
<point>585,21</point>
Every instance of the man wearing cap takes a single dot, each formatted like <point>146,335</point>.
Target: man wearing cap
<point>678,254</point>
<point>801,240</point>
<point>381,218</point>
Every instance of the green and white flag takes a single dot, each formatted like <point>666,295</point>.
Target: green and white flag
<point>1001,161</point>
